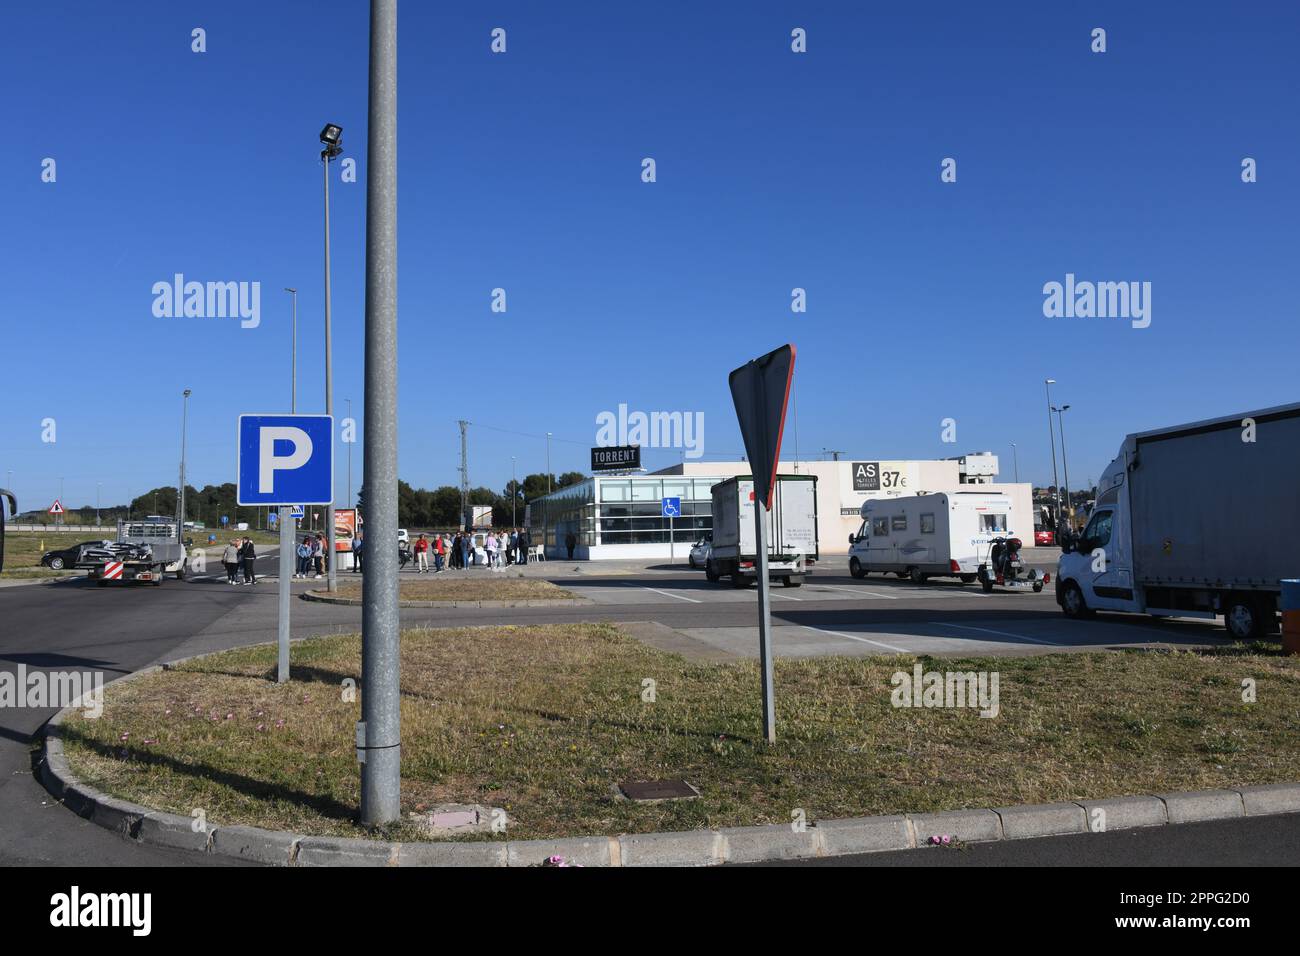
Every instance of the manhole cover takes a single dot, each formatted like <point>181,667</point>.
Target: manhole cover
<point>648,790</point>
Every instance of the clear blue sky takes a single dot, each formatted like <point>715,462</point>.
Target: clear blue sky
<point>522,171</point>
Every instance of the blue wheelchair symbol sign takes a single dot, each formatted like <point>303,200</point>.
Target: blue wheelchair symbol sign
<point>285,459</point>
<point>672,507</point>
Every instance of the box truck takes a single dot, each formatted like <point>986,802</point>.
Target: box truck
<point>1195,520</point>
<point>930,536</point>
<point>791,531</point>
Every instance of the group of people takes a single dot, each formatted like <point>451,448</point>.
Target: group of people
<point>455,552</point>
<point>313,557</point>
<point>238,560</point>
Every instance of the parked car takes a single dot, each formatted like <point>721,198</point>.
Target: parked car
<point>1044,538</point>
<point>61,558</point>
<point>403,537</point>
<point>700,552</point>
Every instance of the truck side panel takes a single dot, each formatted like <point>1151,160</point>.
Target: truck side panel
<point>1209,509</point>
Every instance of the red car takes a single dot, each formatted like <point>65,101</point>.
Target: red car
<point>1044,539</point>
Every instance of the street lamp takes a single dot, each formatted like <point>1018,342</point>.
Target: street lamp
<point>331,138</point>
<point>514,491</point>
<point>349,401</point>
<point>293,361</point>
<point>548,463</point>
<point>1065,465</point>
<point>1016,459</point>
<point>185,411</point>
<point>99,486</point>
<point>1047,384</point>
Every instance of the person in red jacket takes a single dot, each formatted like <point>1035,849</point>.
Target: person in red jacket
<point>421,555</point>
<point>438,549</point>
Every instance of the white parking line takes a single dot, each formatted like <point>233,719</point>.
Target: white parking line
<point>851,637</point>
<point>985,630</point>
<point>783,597</point>
<point>866,591</point>
<point>678,596</point>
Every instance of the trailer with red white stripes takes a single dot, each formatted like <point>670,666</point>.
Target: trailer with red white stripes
<point>124,561</point>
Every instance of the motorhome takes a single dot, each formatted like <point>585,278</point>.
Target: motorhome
<point>928,536</point>
<point>1194,520</point>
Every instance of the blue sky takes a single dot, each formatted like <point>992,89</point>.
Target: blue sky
<point>522,171</point>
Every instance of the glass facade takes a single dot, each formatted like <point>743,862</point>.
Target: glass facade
<point>624,510</point>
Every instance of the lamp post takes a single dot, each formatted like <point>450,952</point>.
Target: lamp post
<point>349,401</point>
<point>514,491</point>
<point>1016,459</point>
<point>1051,434</point>
<point>548,463</point>
<point>99,486</point>
<point>331,138</point>
<point>293,361</point>
<point>1065,465</point>
<point>185,412</point>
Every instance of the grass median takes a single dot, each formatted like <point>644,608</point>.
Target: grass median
<point>546,720</point>
<point>451,586</point>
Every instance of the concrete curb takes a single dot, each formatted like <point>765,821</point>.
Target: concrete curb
<point>688,848</point>
<point>530,602</point>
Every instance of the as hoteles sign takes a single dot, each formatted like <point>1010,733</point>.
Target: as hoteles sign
<point>616,458</point>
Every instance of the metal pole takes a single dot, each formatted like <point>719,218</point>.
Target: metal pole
<point>1065,465</point>
<point>514,492</point>
<point>379,735</point>
<point>185,411</point>
<point>349,401</point>
<point>764,621</point>
<point>286,588</point>
<point>1015,457</point>
<point>548,463</point>
<point>332,560</point>
<point>293,361</point>
<point>1047,384</point>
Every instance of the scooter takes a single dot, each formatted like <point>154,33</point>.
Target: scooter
<point>1004,568</point>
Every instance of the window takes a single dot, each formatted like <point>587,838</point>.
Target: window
<point>1098,531</point>
<point>880,527</point>
<point>898,522</point>
<point>927,524</point>
<point>993,524</point>
<point>863,531</point>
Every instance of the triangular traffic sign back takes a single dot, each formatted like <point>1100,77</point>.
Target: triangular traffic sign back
<point>761,391</point>
<point>56,508</point>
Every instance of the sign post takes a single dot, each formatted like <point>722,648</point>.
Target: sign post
<point>282,459</point>
<point>671,508</point>
<point>760,390</point>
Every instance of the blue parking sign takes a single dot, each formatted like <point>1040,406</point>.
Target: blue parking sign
<point>672,508</point>
<point>285,459</point>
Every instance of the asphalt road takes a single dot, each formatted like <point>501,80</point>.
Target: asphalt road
<point>75,626</point>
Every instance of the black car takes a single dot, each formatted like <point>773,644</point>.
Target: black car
<point>67,557</point>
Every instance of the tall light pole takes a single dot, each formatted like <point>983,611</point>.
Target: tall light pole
<point>514,490</point>
<point>379,734</point>
<point>1015,457</point>
<point>548,463</point>
<point>1065,465</point>
<point>99,486</point>
<point>331,138</point>
<point>354,432</point>
<point>293,361</point>
<point>1051,434</point>
<point>185,412</point>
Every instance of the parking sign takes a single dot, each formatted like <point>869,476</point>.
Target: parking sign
<point>285,459</point>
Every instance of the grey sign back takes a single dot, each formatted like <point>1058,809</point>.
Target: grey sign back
<point>760,390</point>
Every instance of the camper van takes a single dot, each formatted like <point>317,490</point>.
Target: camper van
<point>928,536</point>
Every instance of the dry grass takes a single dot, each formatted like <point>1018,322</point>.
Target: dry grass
<point>450,586</point>
<point>546,720</point>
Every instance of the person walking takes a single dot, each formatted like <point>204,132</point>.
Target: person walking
<point>466,551</point>
<point>421,555</point>
<point>357,545</point>
<point>570,542</point>
<point>490,546</point>
<point>248,557</point>
<point>439,549</point>
<point>316,556</point>
<point>230,561</point>
<point>304,556</point>
<point>512,551</point>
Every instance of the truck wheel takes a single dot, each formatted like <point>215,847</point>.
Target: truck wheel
<point>180,573</point>
<point>792,582</point>
<point>855,569</point>
<point>711,571</point>
<point>1072,603</point>
<point>738,580</point>
<point>900,574</point>
<point>1242,619</point>
<point>967,578</point>
<point>100,582</point>
<point>1038,588</point>
<point>915,576</point>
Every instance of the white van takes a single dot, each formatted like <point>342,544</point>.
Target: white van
<point>925,536</point>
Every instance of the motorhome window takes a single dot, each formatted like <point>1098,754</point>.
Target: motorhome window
<point>880,527</point>
<point>1098,530</point>
<point>927,524</point>
<point>864,531</point>
<point>993,524</point>
<point>898,522</point>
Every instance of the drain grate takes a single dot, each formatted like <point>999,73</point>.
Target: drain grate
<point>647,791</point>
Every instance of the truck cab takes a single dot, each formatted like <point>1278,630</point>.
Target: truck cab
<point>1096,572</point>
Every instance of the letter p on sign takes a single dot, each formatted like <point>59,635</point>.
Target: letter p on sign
<point>285,459</point>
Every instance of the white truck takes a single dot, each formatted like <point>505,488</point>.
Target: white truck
<point>929,536</point>
<point>791,531</point>
<point>1194,520</point>
<point>145,550</point>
